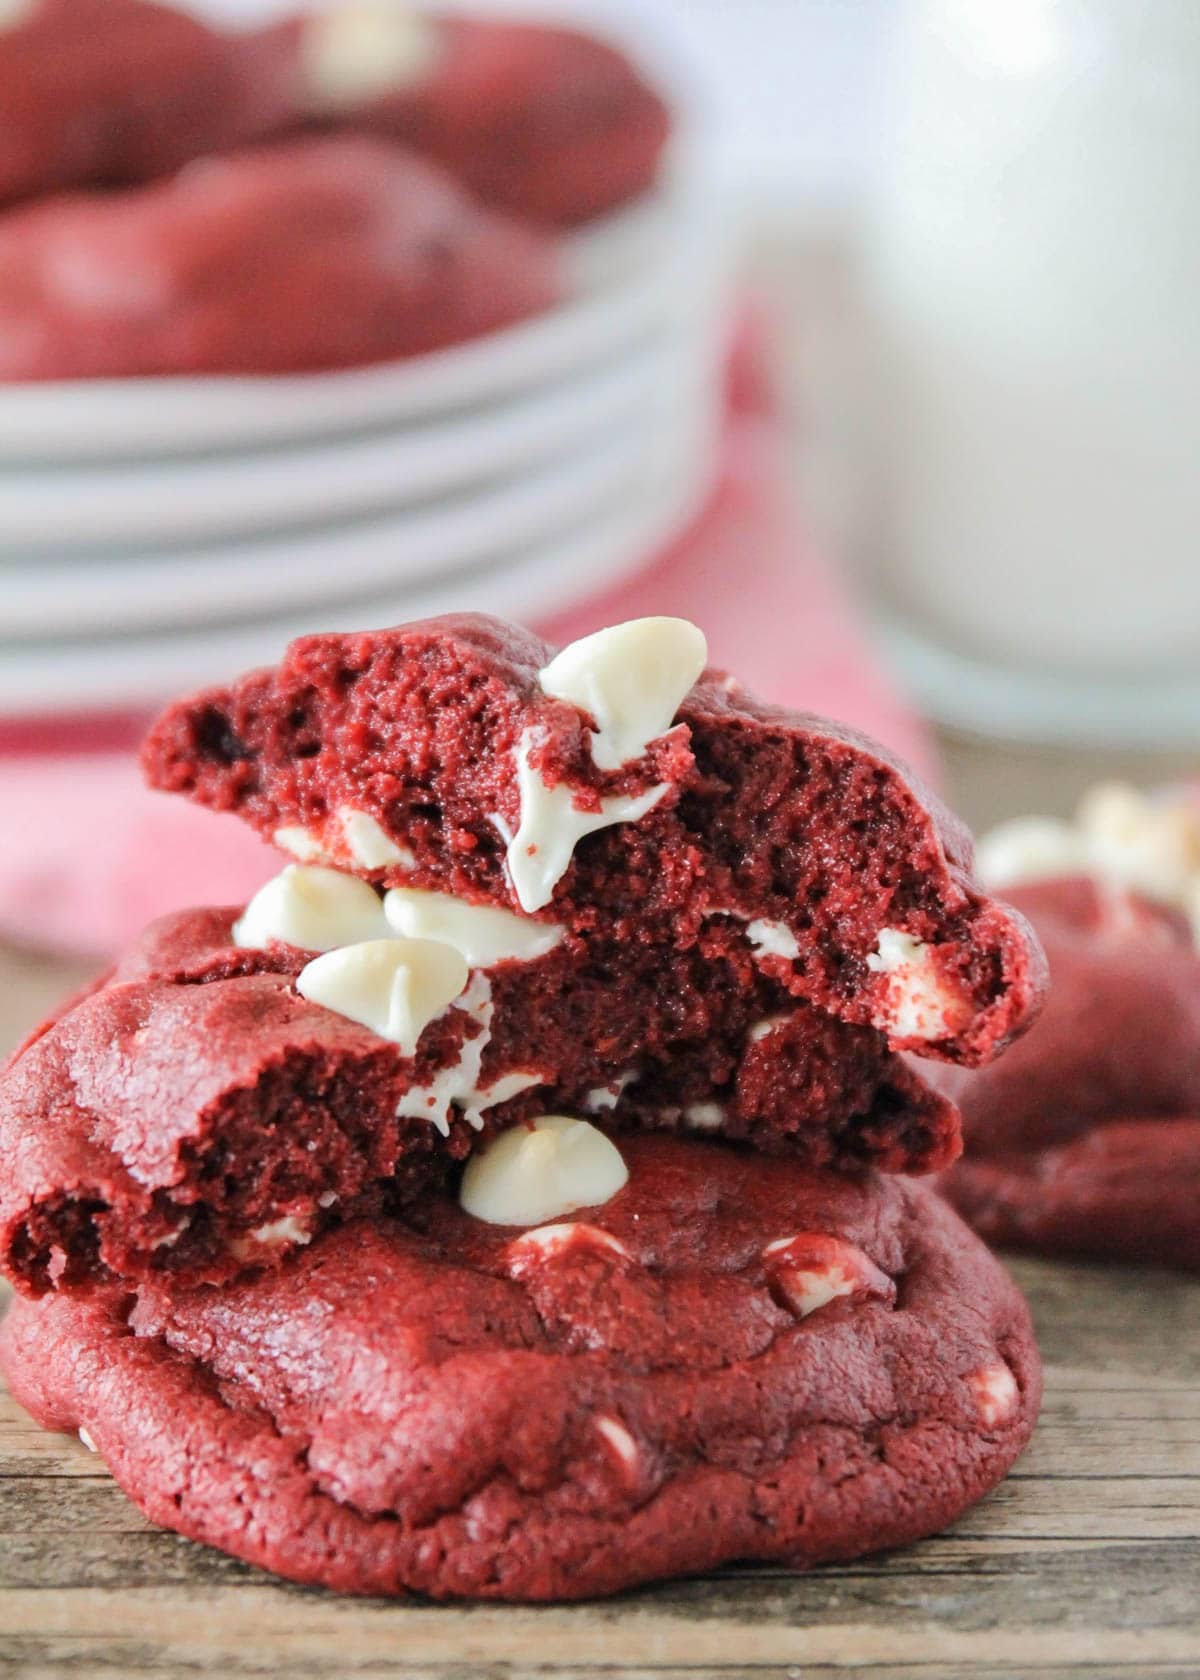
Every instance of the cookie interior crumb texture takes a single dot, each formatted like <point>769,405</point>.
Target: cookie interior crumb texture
<point>741,828</point>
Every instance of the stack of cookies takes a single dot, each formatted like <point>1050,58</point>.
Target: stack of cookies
<point>513,1199</point>
<point>349,185</point>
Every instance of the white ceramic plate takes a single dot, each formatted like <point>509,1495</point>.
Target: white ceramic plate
<point>618,304</point>
<point>126,503</point>
<point>59,677</point>
<point>167,589</point>
<point>205,498</point>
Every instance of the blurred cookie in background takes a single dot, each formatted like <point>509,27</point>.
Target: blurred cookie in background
<point>319,252</point>
<point>109,92</point>
<point>543,121</point>
<point>1086,1138</point>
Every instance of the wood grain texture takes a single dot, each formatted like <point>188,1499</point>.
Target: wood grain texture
<point>1086,1562</point>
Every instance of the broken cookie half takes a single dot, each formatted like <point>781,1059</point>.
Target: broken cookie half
<point>245,1079</point>
<point>619,789</point>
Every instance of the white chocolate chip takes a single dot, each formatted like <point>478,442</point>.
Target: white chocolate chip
<point>620,1440</point>
<point>918,1001</point>
<point>360,50</point>
<point>552,825</point>
<point>631,679</point>
<point>996,1394</point>
<point>768,939</point>
<point>369,847</point>
<point>277,1234</point>
<point>811,1290</point>
<point>327,1198</point>
<point>316,909</point>
<point>396,987</point>
<point>545,1241</point>
<point>485,936</point>
<point>1123,838</point>
<point>302,843</point>
<point>172,1237</point>
<point>1029,849</point>
<point>280,1231</point>
<point>810,1270</point>
<point>772,939</point>
<point>534,1173</point>
<point>704,1116</point>
<point>602,1098</point>
<point>764,1028</point>
<point>1150,845</point>
<point>86,1438</point>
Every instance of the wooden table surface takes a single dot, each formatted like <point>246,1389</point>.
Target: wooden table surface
<point>1085,1562</point>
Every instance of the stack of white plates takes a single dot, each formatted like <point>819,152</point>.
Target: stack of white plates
<point>160,533</point>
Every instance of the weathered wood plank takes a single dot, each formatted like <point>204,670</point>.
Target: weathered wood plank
<point>139,1663</point>
<point>130,1662</point>
<point>1125,1614</point>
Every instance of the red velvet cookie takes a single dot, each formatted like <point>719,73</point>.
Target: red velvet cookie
<point>1085,1138</point>
<point>109,92</point>
<point>310,254</point>
<point>199,1113</point>
<point>545,122</point>
<point>730,1359</point>
<point>620,789</point>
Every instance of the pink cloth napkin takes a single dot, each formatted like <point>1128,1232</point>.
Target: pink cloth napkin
<point>88,855</point>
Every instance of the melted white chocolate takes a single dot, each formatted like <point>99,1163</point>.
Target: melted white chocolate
<point>552,825</point>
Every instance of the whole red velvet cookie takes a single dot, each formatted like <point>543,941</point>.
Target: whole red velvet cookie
<point>730,1359</point>
<point>216,1103</point>
<point>620,788</point>
<point>546,122</point>
<point>309,254</point>
<point>1085,1138</point>
<point>109,92</point>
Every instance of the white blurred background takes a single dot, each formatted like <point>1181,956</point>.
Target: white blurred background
<point>789,92</point>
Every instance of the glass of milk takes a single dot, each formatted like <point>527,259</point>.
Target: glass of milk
<point>1035,273</point>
